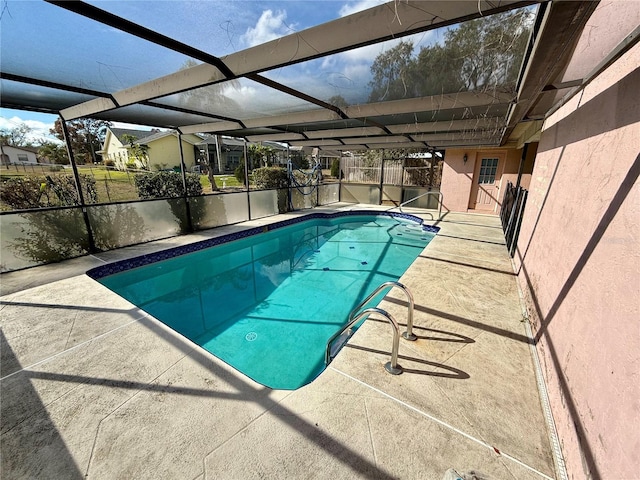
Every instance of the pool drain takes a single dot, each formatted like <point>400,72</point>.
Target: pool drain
<point>251,336</point>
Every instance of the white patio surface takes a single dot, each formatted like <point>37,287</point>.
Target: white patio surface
<point>93,387</point>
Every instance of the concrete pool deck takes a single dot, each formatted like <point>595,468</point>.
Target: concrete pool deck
<point>93,387</point>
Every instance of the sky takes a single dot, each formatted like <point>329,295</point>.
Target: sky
<point>111,60</point>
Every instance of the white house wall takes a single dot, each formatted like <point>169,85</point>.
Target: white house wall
<point>18,155</point>
<point>165,153</point>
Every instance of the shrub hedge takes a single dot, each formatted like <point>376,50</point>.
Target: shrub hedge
<point>271,177</point>
<point>166,184</point>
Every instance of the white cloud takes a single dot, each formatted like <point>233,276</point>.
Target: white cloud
<point>354,7</point>
<point>39,130</point>
<point>358,73</point>
<point>328,62</point>
<point>366,54</point>
<point>270,26</point>
<point>243,94</point>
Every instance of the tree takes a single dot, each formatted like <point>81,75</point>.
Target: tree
<point>137,151</point>
<point>391,71</point>
<point>338,101</point>
<point>261,156</point>
<point>491,49</point>
<point>478,55</point>
<point>17,136</point>
<point>85,136</point>
<point>437,70</point>
<point>54,152</point>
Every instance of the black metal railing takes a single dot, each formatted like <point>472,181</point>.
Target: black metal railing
<point>511,212</point>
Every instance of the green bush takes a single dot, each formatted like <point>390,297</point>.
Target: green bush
<point>32,191</point>
<point>64,187</point>
<point>166,184</point>
<point>299,160</point>
<point>23,192</point>
<point>271,177</point>
<point>335,168</point>
<point>239,174</point>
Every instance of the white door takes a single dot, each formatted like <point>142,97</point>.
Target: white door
<point>485,192</point>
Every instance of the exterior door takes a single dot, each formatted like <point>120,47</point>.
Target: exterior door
<point>484,195</point>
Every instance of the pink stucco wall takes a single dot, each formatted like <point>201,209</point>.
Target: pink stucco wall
<point>510,173</point>
<point>578,261</point>
<point>456,179</point>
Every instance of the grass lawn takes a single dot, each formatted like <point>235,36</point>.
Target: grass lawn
<point>111,185</point>
<point>222,181</point>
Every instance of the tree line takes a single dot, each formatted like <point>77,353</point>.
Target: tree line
<point>478,55</point>
<point>85,135</point>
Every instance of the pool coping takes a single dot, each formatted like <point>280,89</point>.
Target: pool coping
<point>172,252</point>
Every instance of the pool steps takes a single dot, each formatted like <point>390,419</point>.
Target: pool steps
<point>357,314</point>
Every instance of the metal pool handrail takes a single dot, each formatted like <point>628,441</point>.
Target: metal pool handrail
<point>440,199</point>
<point>391,366</point>
<point>408,335</point>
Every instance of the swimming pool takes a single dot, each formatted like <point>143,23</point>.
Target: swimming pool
<point>266,300</point>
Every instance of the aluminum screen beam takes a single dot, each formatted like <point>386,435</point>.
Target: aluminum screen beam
<point>477,135</point>
<point>224,126</point>
<point>428,104</point>
<point>350,148</point>
<point>316,115</point>
<point>423,104</point>
<point>316,143</point>
<point>394,145</point>
<point>385,22</point>
<point>86,109</point>
<point>391,20</point>
<point>365,140</point>
<point>345,132</point>
<point>276,137</point>
<point>160,87</point>
<point>465,143</point>
<point>449,126</point>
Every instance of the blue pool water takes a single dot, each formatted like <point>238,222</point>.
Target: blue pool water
<point>267,304</point>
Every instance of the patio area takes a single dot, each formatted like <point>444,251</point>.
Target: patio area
<point>93,387</point>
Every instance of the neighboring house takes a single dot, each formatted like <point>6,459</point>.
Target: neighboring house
<point>164,151</point>
<point>163,148</point>
<point>19,155</point>
<point>232,152</point>
<point>114,147</point>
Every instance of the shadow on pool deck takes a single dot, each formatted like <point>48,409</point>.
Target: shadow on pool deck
<point>109,392</point>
